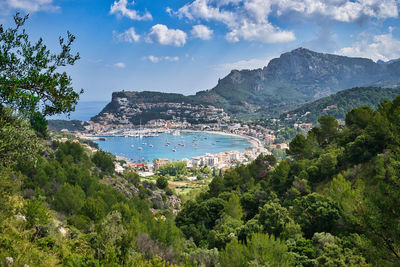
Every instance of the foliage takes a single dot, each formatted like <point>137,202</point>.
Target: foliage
<point>104,161</point>
<point>69,198</point>
<point>261,250</point>
<point>28,72</point>
<point>173,168</point>
<point>18,142</point>
<point>162,182</point>
<point>341,103</point>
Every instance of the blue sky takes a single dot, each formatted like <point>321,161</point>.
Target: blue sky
<point>185,46</point>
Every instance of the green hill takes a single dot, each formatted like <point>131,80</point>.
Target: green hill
<point>337,105</point>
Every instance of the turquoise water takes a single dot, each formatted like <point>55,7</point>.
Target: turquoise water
<point>195,144</point>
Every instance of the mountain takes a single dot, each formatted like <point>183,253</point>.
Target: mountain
<point>293,79</point>
<point>337,105</point>
<point>388,62</point>
<point>296,77</point>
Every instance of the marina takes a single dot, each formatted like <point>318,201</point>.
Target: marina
<point>171,146</point>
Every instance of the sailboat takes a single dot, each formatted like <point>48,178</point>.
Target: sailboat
<point>140,129</point>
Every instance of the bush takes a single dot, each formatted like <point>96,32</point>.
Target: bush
<point>69,198</point>
<point>162,182</point>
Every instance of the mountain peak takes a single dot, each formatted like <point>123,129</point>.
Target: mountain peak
<point>302,50</point>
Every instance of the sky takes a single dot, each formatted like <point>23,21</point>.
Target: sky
<point>185,46</point>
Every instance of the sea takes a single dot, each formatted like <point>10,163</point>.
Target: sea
<point>84,110</point>
<point>175,148</point>
<point>187,145</point>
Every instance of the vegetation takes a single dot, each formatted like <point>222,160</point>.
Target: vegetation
<point>334,201</point>
<point>337,105</point>
<point>29,74</point>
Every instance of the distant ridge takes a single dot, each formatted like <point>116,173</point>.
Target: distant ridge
<point>295,78</point>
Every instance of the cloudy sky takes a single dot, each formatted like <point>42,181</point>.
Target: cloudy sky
<point>186,45</point>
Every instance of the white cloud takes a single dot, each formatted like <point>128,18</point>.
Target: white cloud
<point>155,59</point>
<point>384,47</point>
<point>240,16</point>
<point>128,36</point>
<point>120,65</point>
<point>341,10</point>
<point>254,63</point>
<point>31,5</point>
<point>161,34</point>
<point>248,19</point>
<point>202,32</point>
<point>120,7</point>
<point>264,32</point>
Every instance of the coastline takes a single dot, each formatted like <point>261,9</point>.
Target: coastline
<point>254,141</point>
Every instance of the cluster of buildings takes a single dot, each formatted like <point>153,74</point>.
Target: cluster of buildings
<point>221,160</point>
<point>225,159</point>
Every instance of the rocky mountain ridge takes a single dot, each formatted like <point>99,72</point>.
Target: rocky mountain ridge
<point>287,82</point>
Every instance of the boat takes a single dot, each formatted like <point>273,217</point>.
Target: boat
<point>150,145</point>
<point>132,145</point>
<point>140,148</point>
<point>174,150</point>
<point>176,133</point>
<point>144,144</point>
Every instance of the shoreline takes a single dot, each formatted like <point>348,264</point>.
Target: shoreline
<point>253,141</point>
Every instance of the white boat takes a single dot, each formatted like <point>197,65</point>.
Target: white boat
<point>174,150</point>
<point>150,145</point>
<point>176,133</point>
<point>132,145</point>
<point>140,148</point>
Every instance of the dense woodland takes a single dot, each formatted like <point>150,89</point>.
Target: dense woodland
<point>335,201</point>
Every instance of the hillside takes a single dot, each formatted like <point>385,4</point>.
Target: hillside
<point>333,202</point>
<point>293,79</point>
<point>337,105</point>
<point>142,107</point>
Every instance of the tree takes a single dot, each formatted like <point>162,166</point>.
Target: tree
<point>162,182</point>
<point>69,198</point>
<point>29,76</point>
<point>329,129</point>
<point>104,161</point>
<point>297,147</point>
<point>274,217</point>
<point>315,213</point>
<point>18,142</point>
<point>233,207</point>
